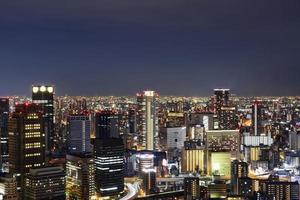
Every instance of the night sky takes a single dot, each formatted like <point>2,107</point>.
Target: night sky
<point>119,47</point>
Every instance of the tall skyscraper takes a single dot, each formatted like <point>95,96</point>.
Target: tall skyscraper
<point>149,181</point>
<point>225,113</point>
<point>80,177</point>
<point>44,96</point>
<point>257,117</point>
<point>132,120</point>
<point>26,140</point>
<point>109,166</point>
<point>147,119</point>
<point>107,124</point>
<point>221,99</point>
<point>4,115</point>
<point>79,134</point>
<point>238,170</point>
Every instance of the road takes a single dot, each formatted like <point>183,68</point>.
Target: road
<point>132,192</point>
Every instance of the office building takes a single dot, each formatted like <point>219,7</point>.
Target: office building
<point>26,140</point>
<point>79,134</point>
<point>282,190</point>
<point>193,160</point>
<point>109,166</point>
<point>200,118</point>
<point>245,186</point>
<point>191,188</point>
<point>145,160</point>
<point>176,137</point>
<point>107,124</point>
<point>239,170</point>
<point>224,140</point>
<point>8,188</point>
<point>219,164</point>
<point>147,120</point>
<point>217,190</point>
<point>294,140</point>
<point>80,177</point>
<point>43,95</point>
<point>249,140</point>
<point>148,177</point>
<point>132,121</point>
<point>4,115</point>
<point>45,183</point>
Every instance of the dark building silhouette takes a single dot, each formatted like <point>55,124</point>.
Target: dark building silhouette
<point>109,166</point>
<point>107,125</point>
<point>238,170</point>
<point>44,96</point>
<point>4,115</point>
<point>45,183</point>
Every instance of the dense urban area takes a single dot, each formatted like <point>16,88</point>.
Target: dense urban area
<point>149,146</point>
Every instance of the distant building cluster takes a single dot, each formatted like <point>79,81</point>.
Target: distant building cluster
<point>149,146</point>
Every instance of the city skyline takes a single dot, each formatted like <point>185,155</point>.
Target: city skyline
<point>174,47</point>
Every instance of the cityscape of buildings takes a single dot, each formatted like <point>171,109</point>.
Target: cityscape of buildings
<point>148,146</point>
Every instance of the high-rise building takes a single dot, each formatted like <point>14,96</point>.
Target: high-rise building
<point>8,188</point>
<point>200,118</point>
<point>26,140</point>
<point>282,190</point>
<point>109,166</point>
<point>147,119</point>
<point>132,120</point>
<point>107,124</point>
<point>176,137</point>
<point>145,160</point>
<point>245,186</point>
<point>257,117</point>
<point>225,113</point>
<point>191,188</point>
<point>80,177</point>
<point>221,99</point>
<point>294,140</point>
<point>45,183</point>
<point>79,134</point>
<point>44,96</point>
<point>193,160</point>
<point>227,118</point>
<point>149,181</point>
<point>217,190</point>
<point>239,170</point>
<point>219,164</point>
<point>4,115</point>
<point>224,140</point>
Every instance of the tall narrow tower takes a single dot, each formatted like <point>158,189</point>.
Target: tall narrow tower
<point>4,115</point>
<point>44,96</point>
<point>147,119</point>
